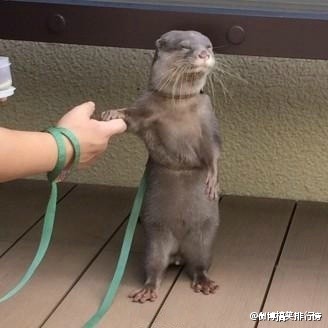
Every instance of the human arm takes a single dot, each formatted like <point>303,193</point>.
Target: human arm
<point>24,153</point>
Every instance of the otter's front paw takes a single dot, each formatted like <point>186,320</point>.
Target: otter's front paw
<point>112,114</point>
<point>212,187</point>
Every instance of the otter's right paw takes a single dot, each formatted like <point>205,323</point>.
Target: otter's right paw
<point>112,114</point>
<point>144,294</point>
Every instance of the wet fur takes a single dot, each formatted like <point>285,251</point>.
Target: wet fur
<point>177,124</point>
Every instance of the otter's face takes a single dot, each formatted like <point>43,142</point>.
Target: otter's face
<point>182,57</point>
<point>189,48</point>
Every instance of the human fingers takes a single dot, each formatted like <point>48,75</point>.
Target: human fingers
<point>86,108</point>
<point>113,127</point>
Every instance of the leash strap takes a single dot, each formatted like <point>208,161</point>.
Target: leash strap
<point>61,159</point>
<point>49,217</point>
<point>121,264</point>
<point>77,152</point>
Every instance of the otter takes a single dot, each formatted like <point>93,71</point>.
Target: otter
<point>175,119</point>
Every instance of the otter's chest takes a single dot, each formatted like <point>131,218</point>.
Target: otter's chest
<point>180,125</point>
<point>174,138</point>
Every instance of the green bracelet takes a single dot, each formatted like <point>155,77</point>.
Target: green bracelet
<point>76,146</point>
<point>74,141</point>
<point>61,159</point>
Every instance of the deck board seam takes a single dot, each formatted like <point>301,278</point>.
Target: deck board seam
<point>23,234</point>
<point>83,272</point>
<point>276,264</point>
<point>150,325</point>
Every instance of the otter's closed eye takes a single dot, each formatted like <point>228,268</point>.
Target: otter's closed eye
<point>184,46</point>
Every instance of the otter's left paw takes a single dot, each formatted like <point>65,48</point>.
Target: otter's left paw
<point>112,114</point>
<point>212,187</point>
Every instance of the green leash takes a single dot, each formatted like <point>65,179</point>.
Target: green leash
<point>51,207</point>
<point>121,264</point>
<point>49,219</point>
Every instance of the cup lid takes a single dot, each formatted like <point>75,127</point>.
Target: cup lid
<point>7,92</point>
<point>4,60</point>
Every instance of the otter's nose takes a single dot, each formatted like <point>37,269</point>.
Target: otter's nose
<point>204,54</point>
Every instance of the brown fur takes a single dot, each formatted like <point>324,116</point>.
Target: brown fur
<point>180,211</point>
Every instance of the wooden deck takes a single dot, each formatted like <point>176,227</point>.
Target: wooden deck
<point>270,255</point>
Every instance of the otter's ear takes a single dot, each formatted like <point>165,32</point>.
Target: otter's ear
<point>160,43</point>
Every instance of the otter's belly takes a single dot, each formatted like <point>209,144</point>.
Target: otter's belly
<point>174,148</point>
<point>177,199</point>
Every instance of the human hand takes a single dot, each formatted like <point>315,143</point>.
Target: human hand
<point>93,135</point>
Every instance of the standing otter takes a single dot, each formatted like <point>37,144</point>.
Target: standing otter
<point>175,120</point>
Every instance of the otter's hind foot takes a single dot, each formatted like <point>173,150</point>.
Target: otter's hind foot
<point>147,293</point>
<point>204,285</point>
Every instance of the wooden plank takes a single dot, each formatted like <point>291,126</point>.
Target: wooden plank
<point>245,252</point>
<point>22,203</point>
<point>300,283</point>
<point>86,218</point>
<point>85,298</point>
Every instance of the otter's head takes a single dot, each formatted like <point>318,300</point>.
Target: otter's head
<point>181,63</point>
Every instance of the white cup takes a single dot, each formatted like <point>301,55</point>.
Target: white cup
<point>6,88</point>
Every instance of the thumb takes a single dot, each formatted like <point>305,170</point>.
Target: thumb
<point>113,127</point>
<point>88,108</point>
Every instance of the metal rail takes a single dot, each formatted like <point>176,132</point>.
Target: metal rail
<point>239,32</point>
